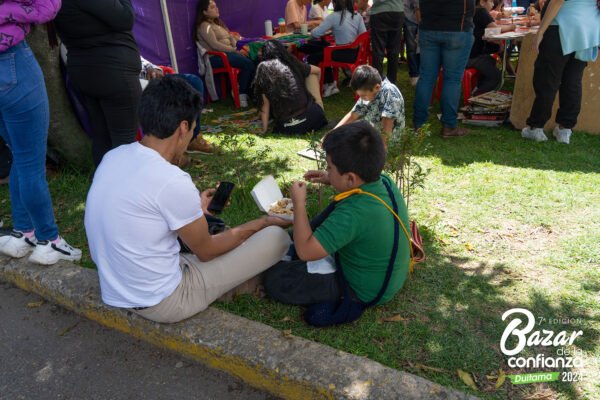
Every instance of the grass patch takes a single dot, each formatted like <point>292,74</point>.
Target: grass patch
<point>506,223</point>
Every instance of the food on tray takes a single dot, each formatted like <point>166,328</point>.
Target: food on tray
<point>283,206</point>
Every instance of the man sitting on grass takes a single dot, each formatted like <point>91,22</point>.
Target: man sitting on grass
<point>138,205</point>
<point>360,229</point>
<point>380,103</point>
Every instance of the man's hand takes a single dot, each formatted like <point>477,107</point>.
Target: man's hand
<point>205,198</point>
<point>317,177</point>
<point>298,193</point>
<point>271,220</point>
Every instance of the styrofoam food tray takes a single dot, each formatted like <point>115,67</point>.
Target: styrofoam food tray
<point>266,194</point>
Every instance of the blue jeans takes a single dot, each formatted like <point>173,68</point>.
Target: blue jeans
<point>197,84</point>
<point>450,51</point>
<point>410,39</point>
<point>247,69</point>
<point>24,121</point>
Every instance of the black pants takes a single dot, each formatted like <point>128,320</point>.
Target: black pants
<point>556,72</point>
<point>312,119</point>
<point>111,98</point>
<point>290,283</point>
<point>386,33</point>
<point>345,55</point>
<point>489,75</point>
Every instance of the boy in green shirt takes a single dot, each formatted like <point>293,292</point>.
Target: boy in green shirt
<point>360,229</point>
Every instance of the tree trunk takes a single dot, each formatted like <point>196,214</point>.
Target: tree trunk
<point>65,136</point>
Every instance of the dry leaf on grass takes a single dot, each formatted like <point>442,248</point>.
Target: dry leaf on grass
<point>467,379</point>
<point>287,333</point>
<point>35,304</point>
<point>428,368</point>
<point>501,379</point>
<point>469,246</point>
<point>285,319</point>
<point>393,318</point>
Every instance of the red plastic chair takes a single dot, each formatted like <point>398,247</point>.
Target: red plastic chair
<point>231,73</point>
<point>469,81</point>
<point>362,42</point>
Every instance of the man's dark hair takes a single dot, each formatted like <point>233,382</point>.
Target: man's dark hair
<point>365,77</point>
<point>165,103</point>
<point>358,148</point>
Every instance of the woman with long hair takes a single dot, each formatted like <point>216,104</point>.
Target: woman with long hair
<point>213,35</point>
<point>346,25</point>
<point>280,92</point>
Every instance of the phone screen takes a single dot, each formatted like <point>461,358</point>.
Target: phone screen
<point>219,200</point>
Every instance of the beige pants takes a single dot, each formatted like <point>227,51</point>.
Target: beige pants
<point>204,282</point>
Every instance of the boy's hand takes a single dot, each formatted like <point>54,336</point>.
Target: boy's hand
<point>298,193</point>
<point>317,177</point>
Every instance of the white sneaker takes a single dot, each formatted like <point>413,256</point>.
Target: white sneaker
<point>562,135</point>
<point>243,100</point>
<point>16,244</point>
<point>414,80</point>
<point>536,134</point>
<point>48,253</point>
<point>330,89</point>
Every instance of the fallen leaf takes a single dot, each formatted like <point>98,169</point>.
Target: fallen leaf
<point>467,379</point>
<point>454,233</point>
<point>393,318</point>
<point>428,368</point>
<point>469,247</point>
<point>68,329</point>
<point>35,304</point>
<point>285,319</point>
<point>287,333</point>
<point>501,379</point>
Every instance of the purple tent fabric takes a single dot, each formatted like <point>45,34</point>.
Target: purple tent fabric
<point>246,17</point>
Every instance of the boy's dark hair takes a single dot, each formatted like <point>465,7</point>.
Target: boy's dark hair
<point>365,77</point>
<point>358,148</point>
<point>165,103</point>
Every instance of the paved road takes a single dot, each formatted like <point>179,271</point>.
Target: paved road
<point>47,352</point>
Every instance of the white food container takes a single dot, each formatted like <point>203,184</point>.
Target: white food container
<point>266,194</point>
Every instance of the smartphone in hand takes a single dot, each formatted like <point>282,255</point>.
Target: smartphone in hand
<point>221,197</point>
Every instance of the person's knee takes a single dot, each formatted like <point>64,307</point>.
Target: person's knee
<point>278,240</point>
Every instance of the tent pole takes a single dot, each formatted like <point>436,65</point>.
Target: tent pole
<point>170,44</point>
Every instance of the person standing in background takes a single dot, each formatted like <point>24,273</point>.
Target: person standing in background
<point>412,18</point>
<point>103,62</point>
<point>386,20</point>
<point>24,121</point>
<point>445,40</point>
<point>568,38</point>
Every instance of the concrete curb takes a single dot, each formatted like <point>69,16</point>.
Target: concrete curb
<point>293,368</point>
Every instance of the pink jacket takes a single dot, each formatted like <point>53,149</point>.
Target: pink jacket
<point>17,16</point>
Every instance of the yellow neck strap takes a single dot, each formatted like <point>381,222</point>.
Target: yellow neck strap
<point>345,195</point>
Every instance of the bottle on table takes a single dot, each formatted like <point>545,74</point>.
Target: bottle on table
<point>281,24</point>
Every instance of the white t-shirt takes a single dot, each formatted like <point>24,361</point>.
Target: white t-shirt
<point>316,11</point>
<point>136,203</point>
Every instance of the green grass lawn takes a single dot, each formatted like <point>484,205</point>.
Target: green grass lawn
<point>506,223</point>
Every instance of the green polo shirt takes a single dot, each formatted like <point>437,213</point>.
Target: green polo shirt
<point>361,230</point>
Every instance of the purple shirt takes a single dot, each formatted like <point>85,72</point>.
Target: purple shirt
<point>17,16</point>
